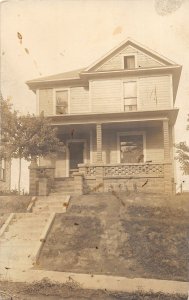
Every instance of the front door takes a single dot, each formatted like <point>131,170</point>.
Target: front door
<point>76,155</point>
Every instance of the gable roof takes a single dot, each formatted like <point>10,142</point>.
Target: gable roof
<point>130,42</point>
<point>81,75</point>
<point>71,75</point>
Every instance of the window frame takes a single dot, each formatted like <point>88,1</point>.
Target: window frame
<point>130,133</point>
<point>54,104</point>
<point>127,81</point>
<point>129,54</point>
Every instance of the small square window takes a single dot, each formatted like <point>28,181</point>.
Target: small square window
<point>129,62</point>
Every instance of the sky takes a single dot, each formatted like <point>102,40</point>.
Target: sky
<point>63,35</point>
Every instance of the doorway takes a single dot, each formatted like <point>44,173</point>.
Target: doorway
<point>76,155</point>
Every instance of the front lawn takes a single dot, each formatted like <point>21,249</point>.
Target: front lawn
<point>131,235</point>
<point>47,290</point>
<point>12,204</point>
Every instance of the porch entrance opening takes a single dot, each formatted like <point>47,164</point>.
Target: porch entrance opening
<point>76,155</point>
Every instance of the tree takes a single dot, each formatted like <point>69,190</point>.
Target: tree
<point>27,137</point>
<point>34,137</point>
<point>183,154</point>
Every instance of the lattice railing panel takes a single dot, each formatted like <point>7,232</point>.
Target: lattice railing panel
<point>90,171</point>
<point>156,170</point>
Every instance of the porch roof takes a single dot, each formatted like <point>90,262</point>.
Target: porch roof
<point>118,117</point>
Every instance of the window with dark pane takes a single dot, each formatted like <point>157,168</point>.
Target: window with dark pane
<point>61,102</point>
<point>131,149</point>
<point>129,62</point>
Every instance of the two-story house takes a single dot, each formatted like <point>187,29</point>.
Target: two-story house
<point>116,118</point>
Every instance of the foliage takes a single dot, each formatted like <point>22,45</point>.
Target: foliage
<point>33,138</point>
<point>183,154</point>
<point>26,137</point>
<point>8,120</point>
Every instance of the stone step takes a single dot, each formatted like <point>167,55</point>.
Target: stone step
<point>49,203</point>
<point>16,238</point>
<point>16,252</point>
<point>62,193</point>
<point>18,264</point>
<point>19,231</point>
<point>19,235</point>
<point>37,222</point>
<point>26,226</point>
<point>66,187</point>
<point>19,216</point>
<point>50,209</point>
<point>20,244</point>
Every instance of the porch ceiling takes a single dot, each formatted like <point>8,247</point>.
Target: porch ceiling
<point>120,117</point>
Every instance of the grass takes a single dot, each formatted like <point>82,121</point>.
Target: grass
<point>131,235</point>
<point>12,204</point>
<point>47,290</point>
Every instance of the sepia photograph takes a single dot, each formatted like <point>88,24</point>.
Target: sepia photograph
<point>94,149</point>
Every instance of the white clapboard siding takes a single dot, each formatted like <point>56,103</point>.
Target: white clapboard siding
<point>46,101</point>
<point>116,62</point>
<point>106,95</point>
<point>154,93</point>
<point>79,100</point>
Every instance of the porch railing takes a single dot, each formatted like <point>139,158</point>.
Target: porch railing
<point>123,170</point>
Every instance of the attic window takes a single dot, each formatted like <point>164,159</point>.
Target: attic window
<point>129,62</point>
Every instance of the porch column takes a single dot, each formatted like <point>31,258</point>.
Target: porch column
<point>166,140</point>
<point>99,142</point>
<point>99,167</point>
<point>167,159</point>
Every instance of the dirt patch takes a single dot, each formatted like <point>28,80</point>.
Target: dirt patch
<point>123,235</point>
<point>14,204</point>
<point>47,290</point>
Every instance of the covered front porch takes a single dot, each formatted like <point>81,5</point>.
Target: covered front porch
<point>116,155</point>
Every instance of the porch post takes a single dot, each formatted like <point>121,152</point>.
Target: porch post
<point>99,142</point>
<point>167,159</point>
<point>99,167</point>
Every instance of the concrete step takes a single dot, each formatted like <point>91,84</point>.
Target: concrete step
<point>62,193</point>
<point>50,209</point>
<point>37,222</point>
<point>19,235</point>
<point>27,225</point>
<point>18,264</point>
<point>49,203</point>
<point>22,231</point>
<point>19,216</point>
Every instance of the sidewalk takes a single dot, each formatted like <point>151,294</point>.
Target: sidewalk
<point>102,282</point>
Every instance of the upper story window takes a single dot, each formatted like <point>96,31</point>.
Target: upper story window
<point>62,102</point>
<point>130,95</point>
<point>129,62</point>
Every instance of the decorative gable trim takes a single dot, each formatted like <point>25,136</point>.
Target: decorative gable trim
<point>129,42</point>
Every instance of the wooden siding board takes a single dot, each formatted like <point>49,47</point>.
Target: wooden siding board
<point>46,101</point>
<point>79,100</point>
<point>116,62</point>
<point>106,95</point>
<point>154,92</point>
